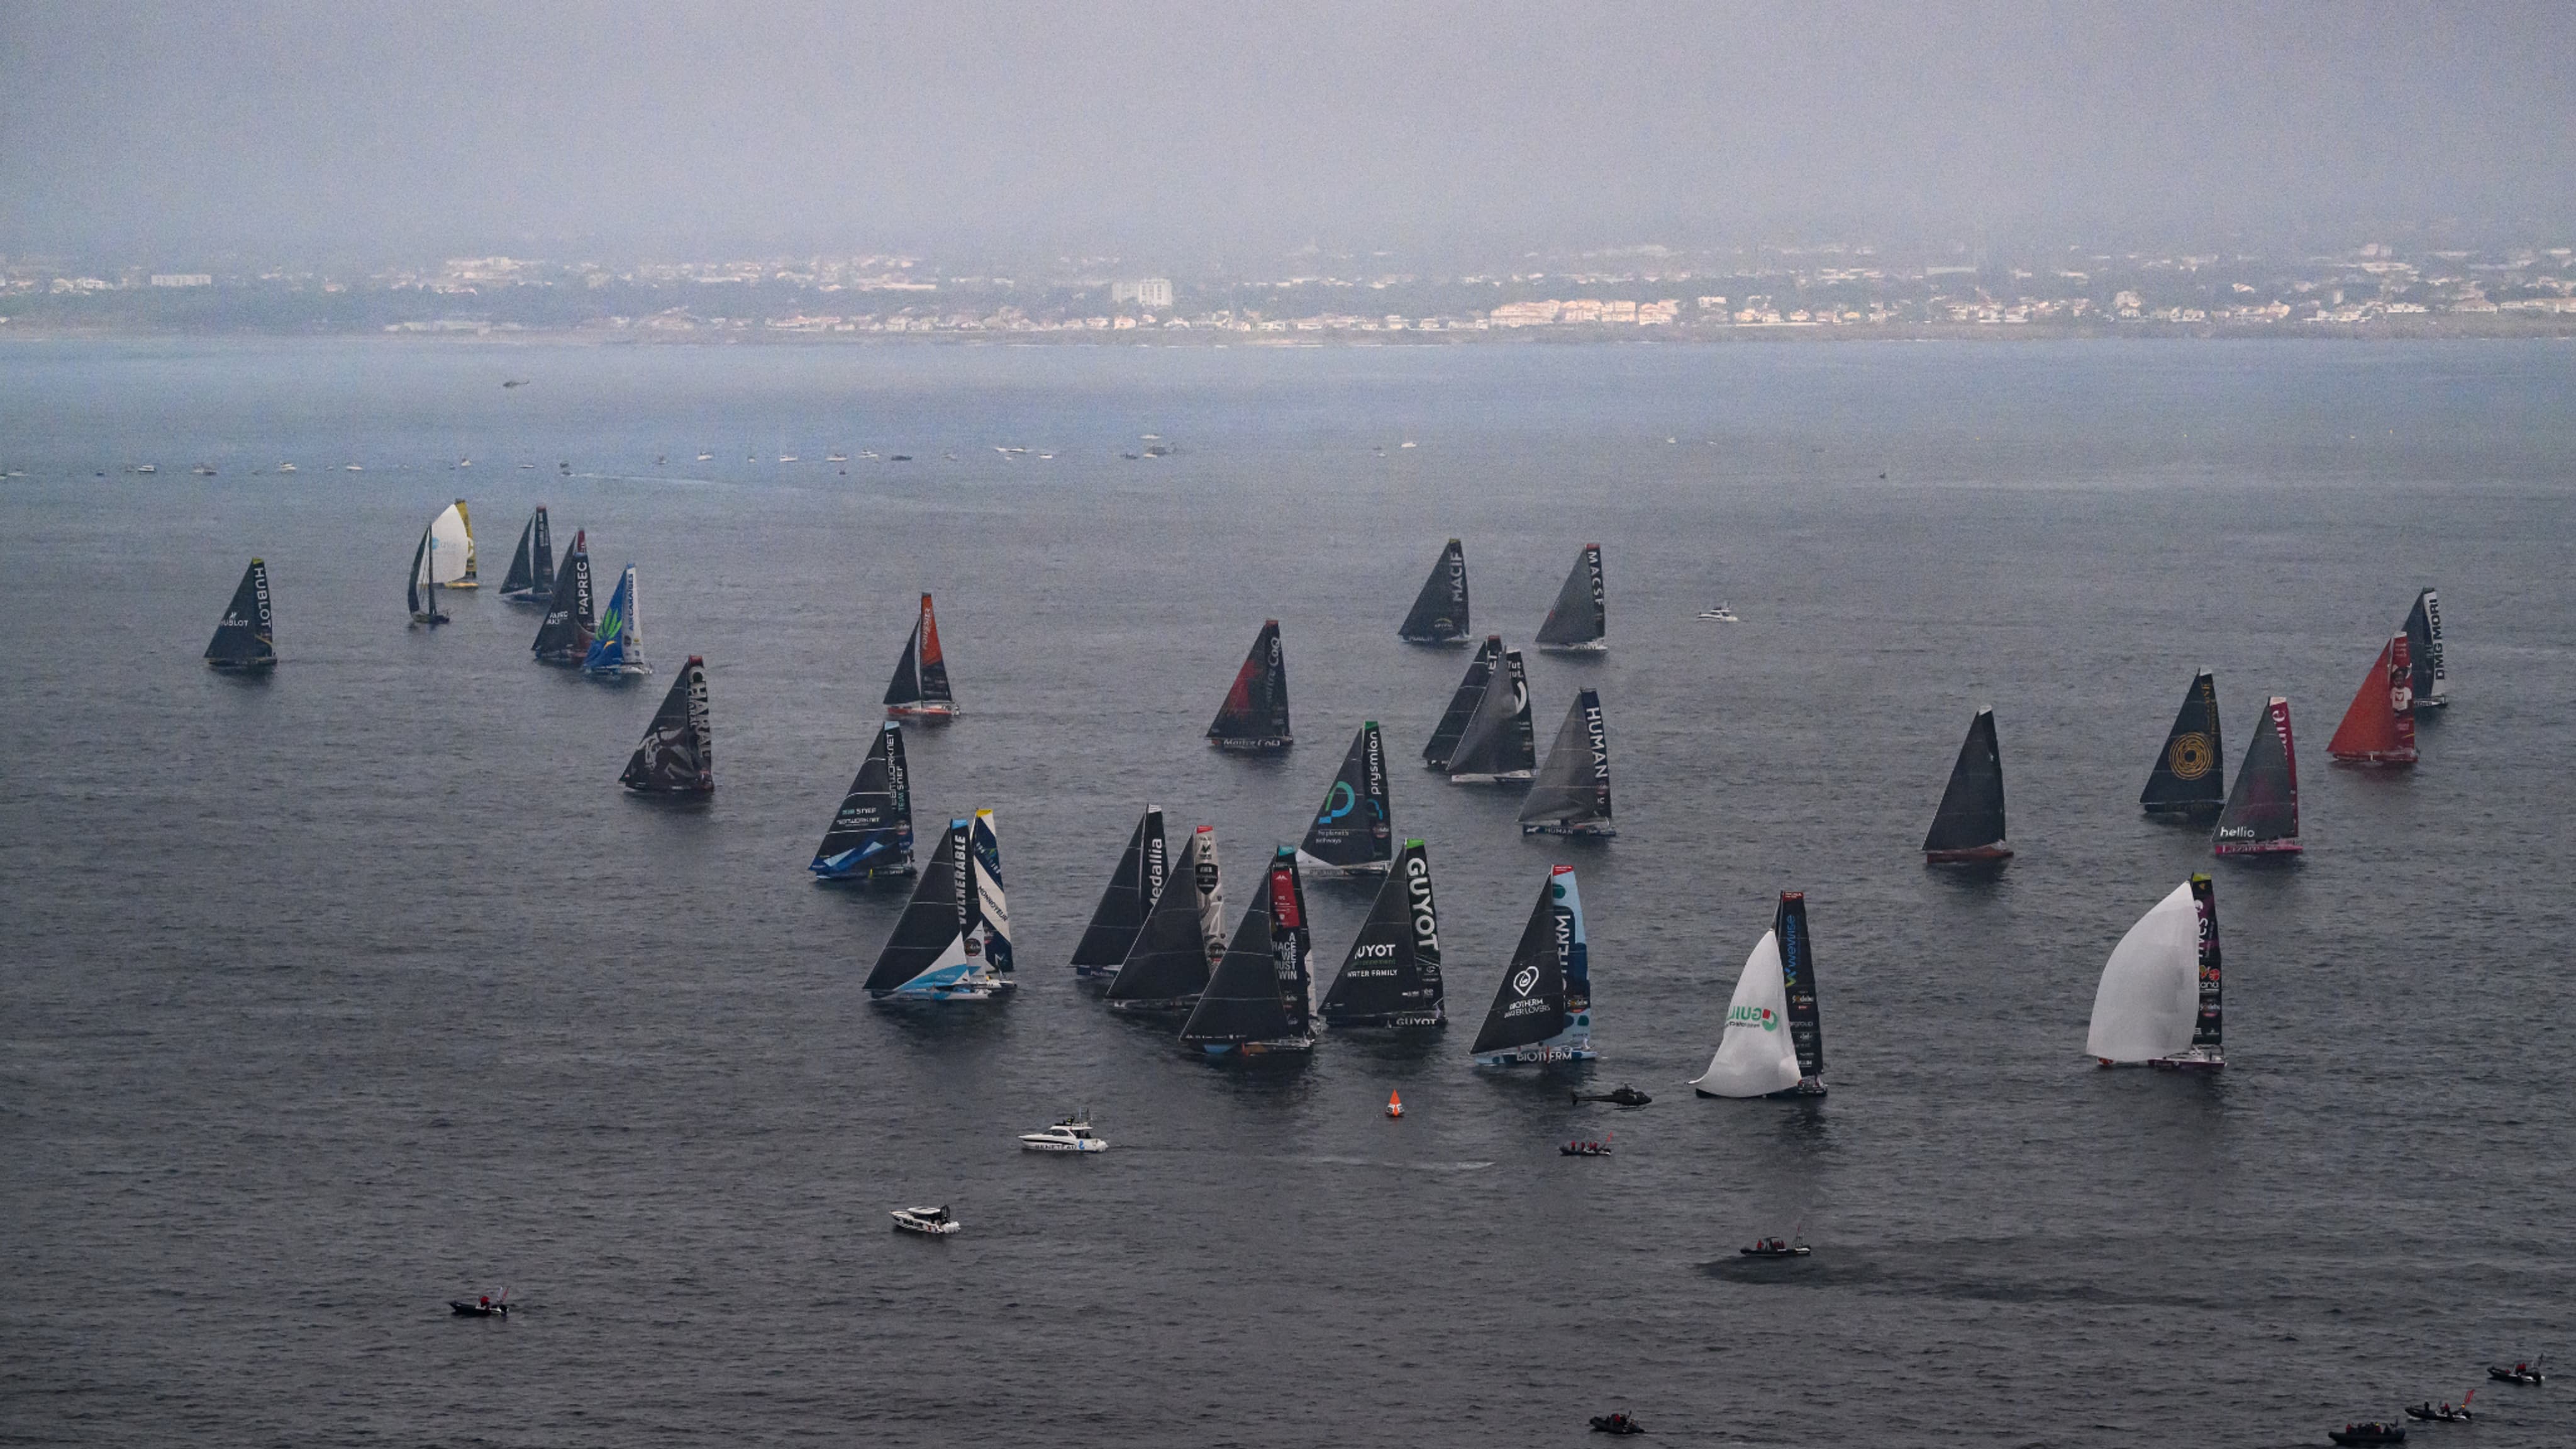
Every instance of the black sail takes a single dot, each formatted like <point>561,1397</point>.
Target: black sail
<point>1798,974</point>
<point>1255,712</point>
<point>871,834</point>
<point>2431,680</point>
<point>1579,617</point>
<point>940,913</point>
<point>1440,611</point>
<point>571,621</point>
<point>1391,974</point>
<point>1498,742</point>
<point>2208,1027</point>
<point>2262,813</point>
<point>1242,1001</point>
<point>1352,829</point>
<point>1572,790</point>
<point>678,755</point>
<point>1167,967</point>
<point>1529,1006</point>
<point>1462,705</point>
<point>1133,888</point>
<point>921,676</point>
<point>1971,817</point>
<point>247,637</point>
<point>2190,775</point>
<point>532,564</point>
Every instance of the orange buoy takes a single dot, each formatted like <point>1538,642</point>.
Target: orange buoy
<point>1394,1105</point>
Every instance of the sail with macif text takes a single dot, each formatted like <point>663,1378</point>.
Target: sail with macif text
<point>1498,743</point>
<point>678,755</point>
<point>919,689</point>
<point>1571,795</point>
<point>1439,613</point>
<point>564,638</point>
<point>1462,704</point>
<point>1579,619</point>
<point>1391,975</point>
<point>1167,966</point>
<point>1351,830</point>
<point>1133,888</point>
<point>870,837</point>
<point>1969,826</point>
<point>2190,773</point>
<point>617,648</point>
<point>1255,713</point>
<point>531,579</point>
<point>2379,728</point>
<point>246,638</point>
<point>935,953</point>
<point>1542,1010</point>
<point>2262,814</point>
<point>2432,672</point>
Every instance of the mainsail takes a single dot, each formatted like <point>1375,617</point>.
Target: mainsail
<point>564,638</point>
<point>678,755</point>
<point>1498,742</point>
<point>1133,887</point>
<point>2262,814</point>
<point>2379,728</point>
<point>2158,1000</point>
<point>1542,1011</point>
<point>617,648</point>
<point>992,910</point>
<point>2190,772</point>
<point>1462,705</point>
<point>1351,830</point>
<point>2424,650</point>
<point>870,837</point>
<point>531,578</point>
<point>1754,1056</point>
<point>1571,795</point>
<point>1292,942</point>
<point>920,684</point>
<point>1242,1003</point>
<point>452,561</point>
<point>1798,974</point>
<point>1255,713</point>
<point>1970,822</point>
<point>1391,974</point>
<point>1578,619</point>
<point>246,639</point>
<point>421,589</point>
<point>1439,613</point>
<point>934,953</point>
<point>1167,966</point>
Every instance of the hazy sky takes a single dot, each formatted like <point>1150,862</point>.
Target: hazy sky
<point>1184,133</point>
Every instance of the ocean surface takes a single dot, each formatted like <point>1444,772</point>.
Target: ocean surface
<point>329,997</point>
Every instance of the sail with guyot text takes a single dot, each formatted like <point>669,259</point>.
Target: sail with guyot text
<point>1351,828</point>
<point>1462,703</point>
<point>1439,614</point>
<point>1391,974</point>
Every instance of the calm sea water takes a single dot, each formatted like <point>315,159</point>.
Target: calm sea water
<point>330,997</point>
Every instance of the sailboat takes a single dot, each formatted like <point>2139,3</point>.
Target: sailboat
<point>1773,1044</point>
<point>1255,714</point>
<point>678,755</point>
<point>617,647</point>
<point>1462,704</point>
<point>1257,1000</point>
<point>2379,727</point>
<point>1571,795</point>
<point>1129,898</point>
<point>2262,814</point>
<point>870,837</point>
<point>2158,1003</point>
<point>2424,650</point>
<point>1168,965</point>
<point>421,589</point>
<point>1391,974</point>
<point>1578,619</point>
<point>919,689</point>
<point>1439,614</point>
<point>1497,744</point>
<point>564,638</point>
<point>992,910</point>
<point>2189,770</point>
<point>1542,1011</point>
<point>1969,826</point>
<point>936,952</point>
<point>246,639</point>
<point>531,579</point>
<point>1351,832</point>
<point>455,546</point>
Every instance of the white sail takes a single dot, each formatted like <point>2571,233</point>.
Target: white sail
<point>455,551</point>
<point>2150,987</point>
<point>1211,889</point>
<point>1755,1056</point>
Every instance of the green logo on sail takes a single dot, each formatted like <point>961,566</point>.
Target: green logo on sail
<point>1761,1016</point>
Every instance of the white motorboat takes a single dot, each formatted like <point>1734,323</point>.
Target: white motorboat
<point>1073,1134</point>
<point>929,1221</point>
<point>1722,614</point>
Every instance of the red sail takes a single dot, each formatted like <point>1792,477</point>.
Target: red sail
<point>930,654</point>
<point>2379,729</point>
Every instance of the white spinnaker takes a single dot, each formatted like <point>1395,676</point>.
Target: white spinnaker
<point>1755,1056</point>
<point>2150,989</point>
<point>448,529</point>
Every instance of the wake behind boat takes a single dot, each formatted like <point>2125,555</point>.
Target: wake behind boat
<point>1776,1248</point>
<point>929,1222</point>
<point>485,1306</point>
<point>1622,1097</point>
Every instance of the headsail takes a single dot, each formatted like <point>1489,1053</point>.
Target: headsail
<point>2190,773</point>
<point>992,909</point>
<point>1542,1012</point>
<point>934,953</point>
<point>452,561</point>
<point>1255,713</point>
<point>564,638</point>
<point>1462,704</point>
<point>532,565</point>
<point>1498,743</point>
<point>2262,814</point>
<point>247,637</point>
<point>870,837</point>
<point>1351,830</point>
<point>2432,673</point>
<point>1578,619</point>
<point>1167,966</point>
<point>1571,795</point>
<point>421,590</point>
<point>1439,613</point>
<point>1391,974</point>
<point>617,649</point>
<point>1970,822</point>
<point>1754,1056</point>
<point>920,683</point>
<point>1133,887</point>
<point>678,755</point>
<point>2379,728</point>
<point>466,520</point>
